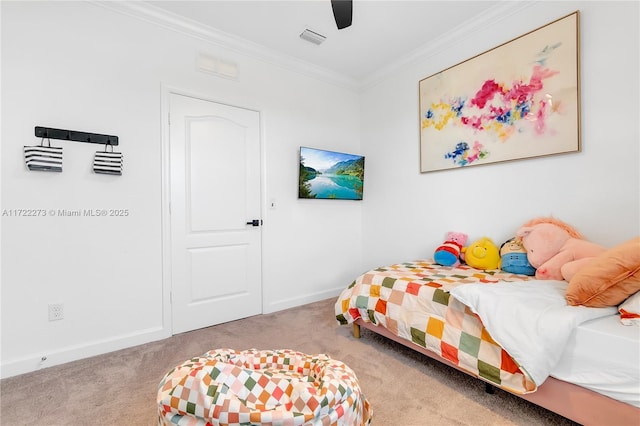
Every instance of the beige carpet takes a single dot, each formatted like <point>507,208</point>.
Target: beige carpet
<point>403,387</point>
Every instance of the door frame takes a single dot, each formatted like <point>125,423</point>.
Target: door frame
<point>166,92</point>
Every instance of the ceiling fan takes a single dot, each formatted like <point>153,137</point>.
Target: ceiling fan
<point>342,12</point>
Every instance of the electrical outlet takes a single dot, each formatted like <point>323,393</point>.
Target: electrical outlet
<point>56,311</point>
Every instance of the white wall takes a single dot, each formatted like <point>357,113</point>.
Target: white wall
<point>79,66</point>
<point>406,214</point>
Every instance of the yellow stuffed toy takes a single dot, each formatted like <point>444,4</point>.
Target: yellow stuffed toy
<point>482,254</point>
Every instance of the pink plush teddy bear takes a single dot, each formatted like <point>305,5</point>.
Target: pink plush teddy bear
<point>555,249</point>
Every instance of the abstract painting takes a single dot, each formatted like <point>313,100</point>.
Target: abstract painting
<point>518,100</point>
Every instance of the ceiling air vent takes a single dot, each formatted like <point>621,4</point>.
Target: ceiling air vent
<point>312,36</point>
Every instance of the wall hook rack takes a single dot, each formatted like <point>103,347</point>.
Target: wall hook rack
<point>72,135</point>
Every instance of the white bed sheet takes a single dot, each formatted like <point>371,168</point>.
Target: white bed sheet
<point>530,320</point>
<point>604,356</point>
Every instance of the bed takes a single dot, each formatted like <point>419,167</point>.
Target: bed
<point>579,362</point>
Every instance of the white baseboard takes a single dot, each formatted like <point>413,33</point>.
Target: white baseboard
<point>280,305</point>
<point>35,362</point>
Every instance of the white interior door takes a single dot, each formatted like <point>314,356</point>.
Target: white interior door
<point>215,190</point>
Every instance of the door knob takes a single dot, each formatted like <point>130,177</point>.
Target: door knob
<point>255,222</point>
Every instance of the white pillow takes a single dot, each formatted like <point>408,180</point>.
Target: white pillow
<point>630,310</point>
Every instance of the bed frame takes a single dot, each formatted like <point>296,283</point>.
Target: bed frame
<point>571,401</point>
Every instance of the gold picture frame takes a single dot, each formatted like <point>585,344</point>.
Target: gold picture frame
<point>518,100</point>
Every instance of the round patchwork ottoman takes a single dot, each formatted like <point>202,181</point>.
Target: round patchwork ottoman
<point>252,387</point>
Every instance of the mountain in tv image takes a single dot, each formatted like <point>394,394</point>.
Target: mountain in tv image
<point>330,175</point>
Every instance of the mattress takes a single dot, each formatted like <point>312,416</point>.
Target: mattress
<point>603,339</point>
<point>513,344</point>
<point>412,301</point>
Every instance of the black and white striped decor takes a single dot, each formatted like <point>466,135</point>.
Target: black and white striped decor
<point>109,163</point>
<point>43,158</point>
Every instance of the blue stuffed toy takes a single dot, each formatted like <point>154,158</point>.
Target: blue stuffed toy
<point>513,258</point>
<point>450,252</point>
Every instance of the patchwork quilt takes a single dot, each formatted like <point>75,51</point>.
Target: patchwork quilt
<point>253,387</point>
<point>413,301</point>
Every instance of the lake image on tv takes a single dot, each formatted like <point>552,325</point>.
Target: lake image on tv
<point>330,175</point>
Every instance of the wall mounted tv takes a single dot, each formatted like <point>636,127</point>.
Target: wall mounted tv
<point>330,175</point>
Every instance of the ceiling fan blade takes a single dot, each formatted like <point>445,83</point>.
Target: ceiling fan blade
<point>342,12</point>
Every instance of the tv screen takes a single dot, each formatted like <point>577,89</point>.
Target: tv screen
<point>330,175</point>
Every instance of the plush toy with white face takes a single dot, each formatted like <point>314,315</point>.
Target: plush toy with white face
<point>513,258</point>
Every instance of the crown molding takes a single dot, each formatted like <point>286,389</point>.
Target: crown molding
<point>492,16</point>
<point>154,15</point>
